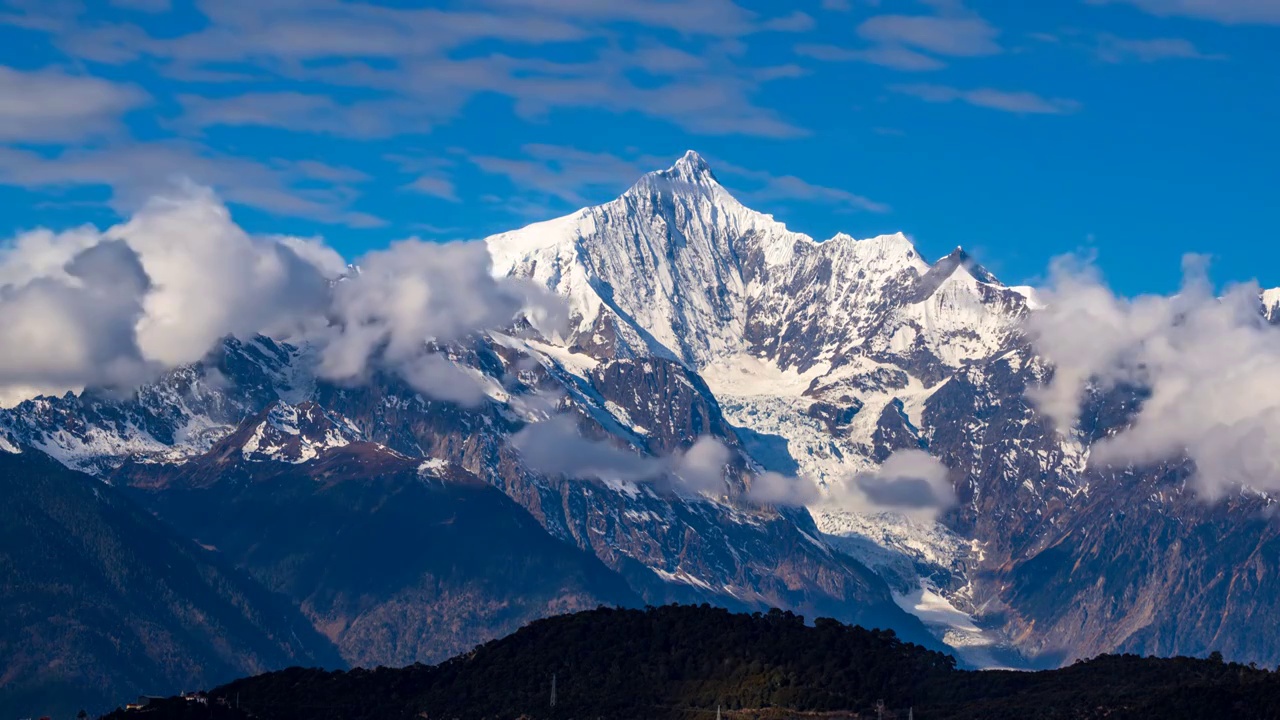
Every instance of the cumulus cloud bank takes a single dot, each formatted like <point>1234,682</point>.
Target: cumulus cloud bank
<point>77,326</point>
<point>89,307</point>
<point>1209,361</point>
<point>417,291</point>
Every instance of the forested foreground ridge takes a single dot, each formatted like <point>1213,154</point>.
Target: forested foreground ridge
<point>688,661</point>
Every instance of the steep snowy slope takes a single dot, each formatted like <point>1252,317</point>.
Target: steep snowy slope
<point>655,271</point>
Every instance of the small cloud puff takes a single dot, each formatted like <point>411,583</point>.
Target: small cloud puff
<point>555,447</point>
<point>910,482</point>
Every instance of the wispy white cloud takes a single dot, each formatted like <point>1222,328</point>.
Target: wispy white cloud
<point>312,112</point>
<point>691,17</point>
<point>914,43</point>
<point>136,171</point>
<point>1019,102</point>
<point>577,177</point>
<point>435,186</point>
<point>407,58</point>
<point>891,56</point>
<point>368,71</point>
<point>772,187</point>
<point>149,6</point>
<point>1231,12</point>
<point>963,36</point>
<point>580,178</point>
<point>51,105</point>
<point>1113,49</point>
<point>797,21</point>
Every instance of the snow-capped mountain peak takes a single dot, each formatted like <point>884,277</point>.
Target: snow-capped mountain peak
<point>679,268</point>
<point>691,169</point>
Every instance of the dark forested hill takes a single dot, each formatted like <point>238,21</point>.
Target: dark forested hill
<point>98,598</point>
<point>685,661</point>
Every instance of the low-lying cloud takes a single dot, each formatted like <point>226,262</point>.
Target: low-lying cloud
<point>909,482</point>
<point>555,447</point>
<point>1209,361</point>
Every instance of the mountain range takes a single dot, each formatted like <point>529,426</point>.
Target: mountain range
<point>243,513</point>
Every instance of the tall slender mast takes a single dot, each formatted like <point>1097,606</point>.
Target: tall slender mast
<point>553,689</point>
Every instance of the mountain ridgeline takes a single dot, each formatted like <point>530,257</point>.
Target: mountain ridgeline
<point>250,515</point>
<point>692,662</point>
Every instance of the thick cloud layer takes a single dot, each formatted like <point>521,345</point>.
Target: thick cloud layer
<point>1210,362</point>
<point>87,307</point>
<point>212,279</point>
<point>75,326</point>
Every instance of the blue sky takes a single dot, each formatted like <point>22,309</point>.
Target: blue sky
<point>1137,129</point>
